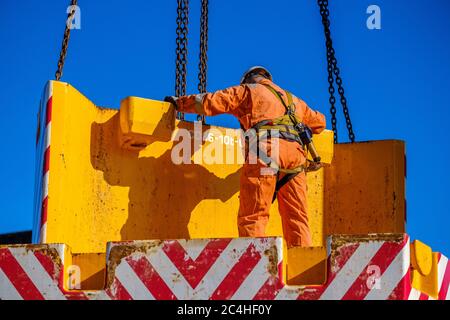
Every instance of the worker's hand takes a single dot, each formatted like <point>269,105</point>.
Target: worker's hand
<point>172,100</point>
<point>314,166</point>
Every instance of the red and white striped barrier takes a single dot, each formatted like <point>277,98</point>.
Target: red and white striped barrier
<point>33,272</point>
<point>243,268</point>
<point>197,269</point>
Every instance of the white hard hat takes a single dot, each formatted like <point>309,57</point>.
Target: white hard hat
<point>256,70</point>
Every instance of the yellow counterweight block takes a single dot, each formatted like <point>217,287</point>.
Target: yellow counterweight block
<point>112,176</point>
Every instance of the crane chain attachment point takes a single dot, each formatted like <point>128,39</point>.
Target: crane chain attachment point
<point>334,73</point>
<point>181,50</point>
<point>203,56</point>
<point>65,43</point>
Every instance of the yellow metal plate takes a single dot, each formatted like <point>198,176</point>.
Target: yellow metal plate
<point>365,188</point>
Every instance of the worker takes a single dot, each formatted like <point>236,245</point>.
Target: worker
<point>259,103</point>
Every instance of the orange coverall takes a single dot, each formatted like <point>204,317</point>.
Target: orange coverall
<point>252,103</point>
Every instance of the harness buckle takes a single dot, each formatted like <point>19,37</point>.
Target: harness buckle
<point>291,110</point>
<point>299,127</point>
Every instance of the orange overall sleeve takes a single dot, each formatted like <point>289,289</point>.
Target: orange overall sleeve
<point>313,119</point>
<point>229,100</point>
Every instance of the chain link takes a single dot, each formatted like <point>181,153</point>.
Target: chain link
<point>181,50</point>
<point>203,56</point>
<point>334,73</point>
<point>65,43</point>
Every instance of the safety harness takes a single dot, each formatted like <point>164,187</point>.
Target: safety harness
<point>289,126</point>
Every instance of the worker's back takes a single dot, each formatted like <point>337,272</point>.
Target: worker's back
<point>262,104</point>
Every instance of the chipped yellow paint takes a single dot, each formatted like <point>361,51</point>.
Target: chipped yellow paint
<point>101,190</point>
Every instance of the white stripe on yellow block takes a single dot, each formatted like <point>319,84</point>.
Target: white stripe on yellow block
<point>48,132</point>
<point>45,185</point>
<point>43,233</point>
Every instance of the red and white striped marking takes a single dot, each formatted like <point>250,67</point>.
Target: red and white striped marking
<point>30,273</point>
<point>46,171</point>
<point>198,269</point>
<point>365,270</point>
<point>43,172</point>
<point>240,268</point>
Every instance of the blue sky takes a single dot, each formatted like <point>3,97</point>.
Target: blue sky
<point>396,79</point>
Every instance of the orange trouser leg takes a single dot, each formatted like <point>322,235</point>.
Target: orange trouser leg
<point>255,199</point>
<point>293,210</point>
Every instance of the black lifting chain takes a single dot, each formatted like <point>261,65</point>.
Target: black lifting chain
<point>181,50</point>
<point>203,59</point>
<point>334,72</point>
<point>65,43</point>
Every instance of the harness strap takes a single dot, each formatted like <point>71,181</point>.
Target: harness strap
<point>290,104</point>
<point>286,178</point>
<point>282,126</point>
<point>295,170</point>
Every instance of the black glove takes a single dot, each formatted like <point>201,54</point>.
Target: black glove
<point>172,100</point>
